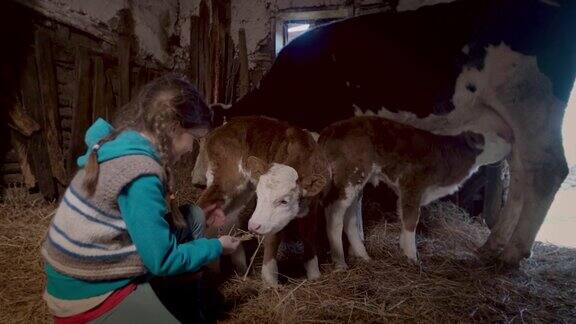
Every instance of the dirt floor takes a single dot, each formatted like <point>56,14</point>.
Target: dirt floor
<point>449,285</point>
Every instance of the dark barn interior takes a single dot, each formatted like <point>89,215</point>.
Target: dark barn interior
<point>67,63</point>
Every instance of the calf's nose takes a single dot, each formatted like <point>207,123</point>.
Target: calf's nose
<point>252,227</point>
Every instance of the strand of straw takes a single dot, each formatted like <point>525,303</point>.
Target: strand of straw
<point>260,240</point>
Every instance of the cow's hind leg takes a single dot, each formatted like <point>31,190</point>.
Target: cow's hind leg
<point>352,229</point>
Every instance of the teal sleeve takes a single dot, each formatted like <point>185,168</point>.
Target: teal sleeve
<point>143,208</point>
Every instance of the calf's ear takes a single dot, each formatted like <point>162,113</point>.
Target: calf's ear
<point>256,166</point>
<point>313,185</point>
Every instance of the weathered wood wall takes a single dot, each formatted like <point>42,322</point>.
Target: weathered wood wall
<point>70,78</point>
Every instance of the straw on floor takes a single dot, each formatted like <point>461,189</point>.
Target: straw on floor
<point>451,284</point>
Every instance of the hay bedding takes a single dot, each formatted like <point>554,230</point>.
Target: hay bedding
<point>450,285</point>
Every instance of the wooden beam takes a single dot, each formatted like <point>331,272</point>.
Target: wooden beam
<point>49,96</point>
<point>21,122</point>
<point>110,98</point>
<point>21,146</point>
<point>244,79</point>
<point>124,58</point>
<point>82,109</point>
<point>10,168</point>
<point>194,49</point>
<point>40,162</point>
<point>204,51</point>
<point>99,105</point>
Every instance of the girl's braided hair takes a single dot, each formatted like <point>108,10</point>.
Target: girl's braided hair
<point>162,106</point>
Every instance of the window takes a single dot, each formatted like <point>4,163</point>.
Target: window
<point>290,25</point>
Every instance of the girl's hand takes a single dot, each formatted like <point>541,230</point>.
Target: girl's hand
<point>229,244</point>
<point>214,216</point>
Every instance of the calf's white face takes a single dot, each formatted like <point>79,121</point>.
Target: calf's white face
<point>278,200</point>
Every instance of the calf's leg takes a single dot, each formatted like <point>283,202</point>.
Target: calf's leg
<point>352,229</point>
<point>335,214</point>
<point>269,264</point>
<point>409,202</point>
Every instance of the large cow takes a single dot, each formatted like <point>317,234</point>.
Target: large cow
<point>447,68</point>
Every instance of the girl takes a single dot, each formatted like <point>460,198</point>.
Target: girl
<point>112,230</point>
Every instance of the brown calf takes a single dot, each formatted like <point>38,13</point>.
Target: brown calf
<point>283,166</point>
<point>420,166</point>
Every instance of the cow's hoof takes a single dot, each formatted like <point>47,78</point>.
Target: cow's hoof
<point>511,257</point>
<point>487,255</point>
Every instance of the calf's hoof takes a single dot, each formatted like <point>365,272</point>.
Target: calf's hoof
<point>340,267</point>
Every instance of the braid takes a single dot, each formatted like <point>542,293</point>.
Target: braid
<point>162,127</point>
<point>92,168</point>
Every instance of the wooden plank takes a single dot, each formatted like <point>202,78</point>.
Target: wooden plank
<point>194,49</point>
<point>21,122</point>
<point>99,105</point>
<point>203,49</point>
<point>124,54</point>
<point>10,168</point>
<point>109,98</point>
<point>22,149</point>
<point>230,73</point>
<point>40,162</point>
<point>244,78</point>
<point>214,63</point>
<point>493,193</point>
<point>13,179</point>
<point>49,97</point>
<point>66,112</point>
<point>82,111</point>
<point>124,58</point>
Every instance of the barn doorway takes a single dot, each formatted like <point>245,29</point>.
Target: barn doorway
<point>560,223</point>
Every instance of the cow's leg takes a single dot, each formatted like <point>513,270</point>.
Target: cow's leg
<point>352,230</point>
<point>510,213</point>
<point>409,201</point>
<point>335,214</point>
<point>545,170</point>
<point>524,97</point>
<point>269,264</point>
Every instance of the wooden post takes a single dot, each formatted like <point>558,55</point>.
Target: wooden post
<point>22,149</point>
<point>99,104</point>
<point>40,164</point>
<point>124,53</point>
<point>204,51</point>
<point>82,111</point>
<point>109,97</point>
<point>244,80</point>
<point>493,193</point>
<point>124,59</point>
<point>21,122</point>
<point>51,115</point>
<point>194,50</point>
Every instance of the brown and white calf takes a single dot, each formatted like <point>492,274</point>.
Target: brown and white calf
<point>420,166</point>
<point>283,167</point>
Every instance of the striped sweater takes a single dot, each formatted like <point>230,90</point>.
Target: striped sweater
<point>87,238</point>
